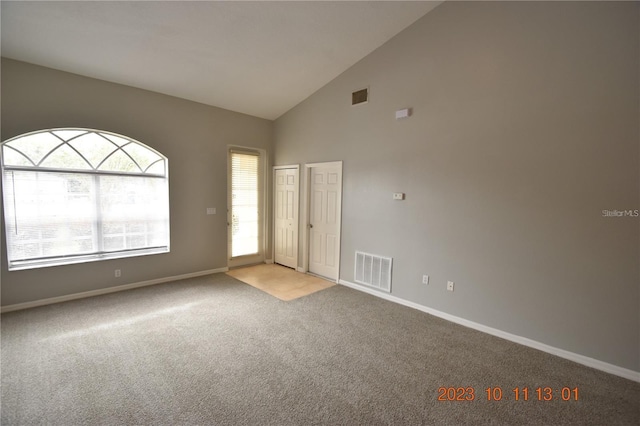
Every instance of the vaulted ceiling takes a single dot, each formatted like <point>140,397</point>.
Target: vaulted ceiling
<point>259,58</point>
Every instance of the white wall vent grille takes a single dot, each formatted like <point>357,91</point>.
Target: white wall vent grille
<point>373,271</point>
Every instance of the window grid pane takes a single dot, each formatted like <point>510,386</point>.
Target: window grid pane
<point>52,214</point>
<point>133,212</point>
<point>82,149</point>
<point>68,216</point>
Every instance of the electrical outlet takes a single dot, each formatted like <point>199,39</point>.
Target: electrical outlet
<point>450,285</point>
<point>425,279</point>
<point>118,273</point>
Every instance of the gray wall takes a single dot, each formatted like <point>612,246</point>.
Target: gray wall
<point>193,136</point>
<point>525,127</point>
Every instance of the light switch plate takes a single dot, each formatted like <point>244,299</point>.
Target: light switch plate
<point>211,210</point>
<point>403,113</point>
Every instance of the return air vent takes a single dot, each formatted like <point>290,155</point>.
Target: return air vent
<point>360,96</point>
<point>373,271</point>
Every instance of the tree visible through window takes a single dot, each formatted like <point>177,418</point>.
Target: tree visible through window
<point>75,195</point>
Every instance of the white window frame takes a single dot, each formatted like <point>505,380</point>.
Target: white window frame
<point>96,172</point>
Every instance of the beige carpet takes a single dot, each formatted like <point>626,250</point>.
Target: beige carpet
<point>279,281</point>
<point>214,351</point>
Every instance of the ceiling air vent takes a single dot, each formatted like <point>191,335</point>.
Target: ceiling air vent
<point>360,96</point>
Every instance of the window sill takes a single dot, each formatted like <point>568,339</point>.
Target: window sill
<point>61,261</point>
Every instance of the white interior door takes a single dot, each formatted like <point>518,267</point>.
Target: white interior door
<point>325,200</point>
<point>286,216</point>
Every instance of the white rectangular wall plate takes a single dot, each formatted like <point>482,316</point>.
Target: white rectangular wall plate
<point>398,195</point>
<point>403,113</point>
<point>211,210</point>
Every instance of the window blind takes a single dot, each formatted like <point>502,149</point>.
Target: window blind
<point>245,199</point>
<point>76,195</point>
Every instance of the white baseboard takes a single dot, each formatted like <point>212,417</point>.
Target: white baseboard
<point>571,356</point>
<point>268,261</point>
<point>301,269</point>
<point>98,292</point>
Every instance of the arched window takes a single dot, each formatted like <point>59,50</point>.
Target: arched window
<point>78,195</point>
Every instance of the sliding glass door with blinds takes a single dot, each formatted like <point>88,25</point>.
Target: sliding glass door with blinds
<point>245,200</point>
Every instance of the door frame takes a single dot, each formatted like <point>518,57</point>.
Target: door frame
<point>273,210</point>
<point>306,239</point>
<point>263,221</point>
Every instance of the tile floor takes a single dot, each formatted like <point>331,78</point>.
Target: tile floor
<point>280,281</point>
